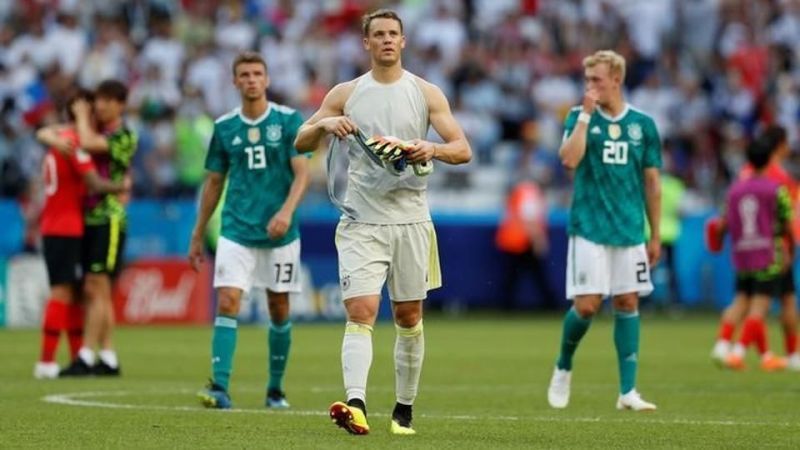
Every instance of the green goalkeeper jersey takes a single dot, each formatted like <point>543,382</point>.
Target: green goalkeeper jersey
<point>608,202</point>
<point>256,155</point>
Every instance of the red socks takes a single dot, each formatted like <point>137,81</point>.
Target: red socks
<point>76,314</point>
<point>55,320</point>
<point>790,340</point>
<point>754,331</point>
<point>726,330</point>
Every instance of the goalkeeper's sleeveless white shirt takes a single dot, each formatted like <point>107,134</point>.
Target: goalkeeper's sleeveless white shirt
<point>397,109</point>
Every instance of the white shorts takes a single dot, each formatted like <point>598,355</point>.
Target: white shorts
<point>404,256</point>
<point>606,270</point>
<point>277,269</point>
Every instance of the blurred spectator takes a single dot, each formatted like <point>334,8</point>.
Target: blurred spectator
<point>522,238</point>
<point>709,71</point>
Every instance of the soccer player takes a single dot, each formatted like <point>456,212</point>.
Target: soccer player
<point>387,235</point>
<point>252,146</point>
<point>615,151</point>
<point>67,172</point>
<point>112,149</point>
<point>757,214</point>
<point>775,139</point>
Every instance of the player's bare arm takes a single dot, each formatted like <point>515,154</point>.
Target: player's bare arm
<point>652,188</point>
<point>456,149</point>
<point>329,119</point>
<point>100,185</point>
<point>574,147</point>
<point>212,191</point>
<point>51,137</point>
<point>90,140</point>
<point>280,222</point>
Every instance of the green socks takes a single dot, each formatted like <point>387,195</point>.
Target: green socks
<point>223,345</point>
<point>575,328</point>
<point>626,339</point>
<point>280,339</point>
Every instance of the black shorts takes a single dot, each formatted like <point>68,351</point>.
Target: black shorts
<point>102,248</point>
<point>787,283</point>
<point>773,287</point>
<point>62,256</point>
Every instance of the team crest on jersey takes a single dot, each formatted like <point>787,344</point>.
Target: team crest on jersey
<point>274,132</point>
<point>635,131</point>
<point>614,131</point>
<point>253,135</point>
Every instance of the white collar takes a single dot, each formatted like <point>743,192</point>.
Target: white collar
<point>614,119</point>
<point>257,119</point>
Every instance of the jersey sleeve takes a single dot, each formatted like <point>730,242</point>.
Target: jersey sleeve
<point>784,205</point>
<point>122,146</point>
<point>293,124</point>
<point>81,162</point>
<point>652,150</point>
<point>216,159</point>
<point>569,123</point>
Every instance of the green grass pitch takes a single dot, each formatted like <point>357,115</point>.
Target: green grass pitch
<point>483,386</point>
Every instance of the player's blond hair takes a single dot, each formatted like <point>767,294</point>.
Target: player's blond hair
<point>615,62</point>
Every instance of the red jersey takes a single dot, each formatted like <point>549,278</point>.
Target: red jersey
<point>64,190</point>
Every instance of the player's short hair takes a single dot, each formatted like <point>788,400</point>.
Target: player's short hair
<point>77,94</point>
<point>112,90</point>
<point>615,62</point>
<point>248,58</point>
<point>366,19</point>
<point>773,136</point>
<point>759,153</point>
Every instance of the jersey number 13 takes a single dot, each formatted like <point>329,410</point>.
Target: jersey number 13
<point>256,157</point>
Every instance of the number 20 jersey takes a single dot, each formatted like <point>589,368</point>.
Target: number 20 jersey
<point>256,155</point>
<point>608,202</point>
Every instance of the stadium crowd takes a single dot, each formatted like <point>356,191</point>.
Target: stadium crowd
<point>708,71</point>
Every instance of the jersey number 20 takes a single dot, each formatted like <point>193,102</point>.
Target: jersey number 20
<point>256,157</point>
<point>615,152</point>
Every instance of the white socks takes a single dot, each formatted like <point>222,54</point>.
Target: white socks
<point>87,355</point>
<point>109,357</point>
<point>356,359</point>
<point>409,351</point>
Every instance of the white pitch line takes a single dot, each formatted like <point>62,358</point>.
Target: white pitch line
<point>78,399</point>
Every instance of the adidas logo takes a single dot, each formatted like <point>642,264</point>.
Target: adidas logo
<point>236,141</point>
<point>631,358</point>
<point>596,130</point>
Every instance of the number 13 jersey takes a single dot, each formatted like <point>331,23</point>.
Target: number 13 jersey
<point>256,154</point>
<point>608,201</point>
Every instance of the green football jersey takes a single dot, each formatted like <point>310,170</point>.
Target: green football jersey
<point>608,200</point>
<point>114,165</point>
<point>256,156</point>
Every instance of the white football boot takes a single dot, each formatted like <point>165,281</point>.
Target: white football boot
<point>45,370</point>
<point>720,352</point>
<point>558,392</point>
<point>633,401</point>
<point>793,362</point>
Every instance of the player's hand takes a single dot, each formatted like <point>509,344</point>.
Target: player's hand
<point>64,145</point>
<point>653,251</point>
<point>341,126</point>
<point>81,108</point>
<point>589,101</point>
<point>420,151</point>
<point>196,254</point>
<point>279,224</point>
